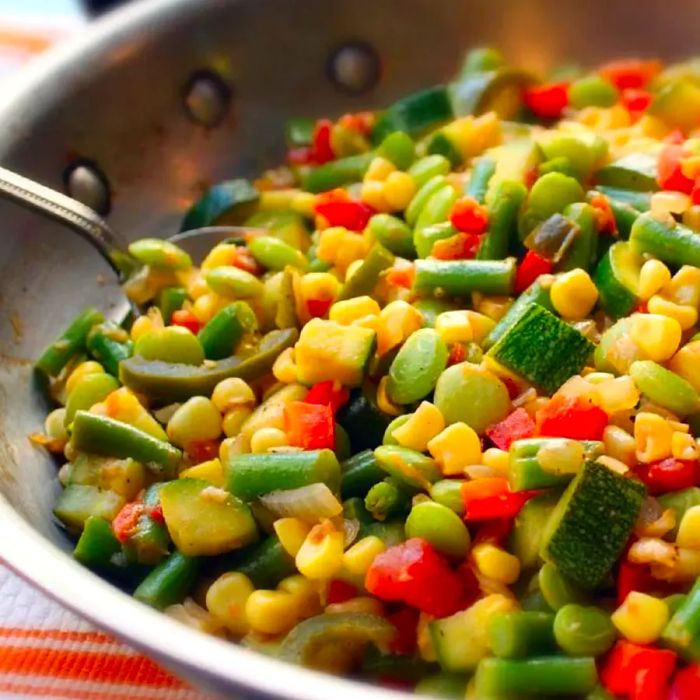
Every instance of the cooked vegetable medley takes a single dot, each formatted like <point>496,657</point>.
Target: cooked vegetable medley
<point>437,425</point>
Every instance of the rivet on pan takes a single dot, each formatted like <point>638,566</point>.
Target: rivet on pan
<point>207,98</point>
<point>354,68</point>
<point>85,182</point>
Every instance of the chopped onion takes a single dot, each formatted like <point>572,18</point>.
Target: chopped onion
<point>312,503</point>
<point>351,528</point>
<point>652,550</point>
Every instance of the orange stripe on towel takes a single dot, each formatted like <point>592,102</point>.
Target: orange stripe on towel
<point>59,635</point>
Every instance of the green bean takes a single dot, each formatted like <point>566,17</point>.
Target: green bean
<point>665,388</point>
<point>673,244</point>
<point>393,234</point>
<point>399,148</point>
<point>583,251</point>
<point>441,527</point>
<point>386,498</point>
<point>341,444</point>
<point>442,685</point>
<point>71,341</point>
<point>413,468</point>
<point>425,238</point>
<point>516,635</point>
<point>97,544</point>
<point>274,254</point>
<point>548,675</point>
<point>640,201</point>
<point>481,174</point>
<point>427,168</point>
<point>462,277</point>
<point>365,278</point>
<point>170,344</point>
<point>105,436</point>
<point>583,631</point>
<point>230,281</point>
<point>448,493</point>
<point>437,208</point>
<point>155,252</point>
<point>417,366</point>
<point>265,563</point>
<point>109,345</point>
<point>425,191</point>
<point>171,299</point>
<point>91,389</point>
<point>682,633</point>
<point>286,313</point>
<point>337,173</point>
<point>170,582</point>
<point>222,333</point>
<point>674,601</point>
<point>253,475</point>
<point>557,590</point>
<point>504,201</point>
<point>360,473</point>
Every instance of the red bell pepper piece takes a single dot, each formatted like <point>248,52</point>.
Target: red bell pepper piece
<point>668,475</point>
<point>636,101</point>
<point>405,620</point>
<point>321,142</point>
<point>126,520</point>
<point>695,193</point>
<point>350,214</point>
<point>328,393</point>
<point>576,417</point>
<point>472,589</point>
<point>516,426</point>
<point>310,426</point>
<point>340,591</point>
<point>400,276</point>
<point>243,260</point>
<point>202,450</point>
<point>362,122</point>
<point>156,513</point>
<point>630,73</point>
<point>670,174</point>
<point>186,319</point>
<point>493,531</point>
<point>637,672</point>
<point>414,573</point>
<point>605,219</point>
<point>469,216</point>
<point>531,267</point>
<point>686,684</point>
<point>490,497</point>
<point>457,354</point>
<point>318,308</point>
<point>633,577</point>
<point>301,155</point>
<point>462,246</point>
<point>547,101</point>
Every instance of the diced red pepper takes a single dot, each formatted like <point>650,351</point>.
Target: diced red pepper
<point>202,450</point>
<point>516,426</point>
<point>414,573</point>
<point>630,73</point>
<point>301,155</point>
<point>340,591</point>
<point>469,216</point>
<point>186,319</point>
<point>309,426</point>
<point>401,276</point>
<point>668,474</point>
<point>490,497</point>
<point>636,101</point>
<point>126,519</point>
<point>493,531</point>
<point>633,577</point>
<point>362,122</point>
<point>328,393</point>
<point>472,590</point>
<point>675,137</point>
<point>457,354</point>
<point>605,219</point>
<point>547,101</point>
<point>156,513</point>
<point>351,214</point>
<point>574,417</point>
<point>695,193</point>
<point>670,173</point>
<point>531,267</point>
<point>318,308</point>
<point>243,260</point>
<point>405,620</point>
<point>637,672</point>
<point>686,684</point>
<point>321,142</point>
<point>462,246</point>
<point>641,308</point>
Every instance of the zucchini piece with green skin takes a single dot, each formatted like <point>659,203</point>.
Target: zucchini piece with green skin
<point>229,202</point>
<point>680,502</point>
<point>204,520</point>
<point>77,502</point>
<point>441,144</point>
<point>520,349</point>
<point>364,422</point>
<point>97,544</point>
<point>250,476</point>
<point>360,473</point>
<point>665,388</point>
<point>504,202</point>
<point>617,279</point>
<point>462,277</point>
<point>109,345</point>
<point>514,161</point>
<point>426,169</point>
<point>583,252</point>
<point>671,243</point>
<point>682,633</point>
<point>220,336</point>
<point>170,344</point>
<point>170,582</point>
<point>591,524</point>
<point>497,91</point>
<point>437,208</point>
<point>527,529</point>
<point>337,173</point>
<point>482,172</point>
<point>636,171</point>
<point>367,276</point>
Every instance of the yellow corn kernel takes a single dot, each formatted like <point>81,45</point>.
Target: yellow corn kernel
<point>206,306</point>
<point>685,314</point>
<point>455,448</point>
<point>454,327</point>
<point>686,363</point>
<point>271,612</point>
<point>399,189</point>
<point>684,446</point>
<point>349,310</point>
<point>396,322</point>
<point>641,618</point>
<point>219,256</point>
<point>656,335</point>
<point>492,307</point>
<point>420,428</point>
<point>123,405</point>
<point>291,533</point>
<point>664,203</point>
<point>379,169</point>
<point>197,420</point>
<point>616,394</point>
<point>652,435</point>
<point>614,465</point>
<point>384,402</point>
<point>226,599</point>
<point>141,326</point>
<point>306,594</point>
<point>481,325</point>
<point>230,447</point>
<point>361,604</point>
<point>266,439</point>
<point>689,529</point>
<point>620,445</point>
<point>496,459</point>
<point>319,285</point>
<point>372,193</point>
<point>574,294</point>
<point>653,277</point>
<point>284,369</point>
<point>232,393</point>
<point>212,471</point>
<point>684,288</point>
<point>340,247</point>
<point>359,556</point>
<point>495,563</point>
<point>82,370</point>
<point>691,217</point>
<point>197,286</point>
<point>234,419</point>
<point>304,203</point>
<point>321,554</point>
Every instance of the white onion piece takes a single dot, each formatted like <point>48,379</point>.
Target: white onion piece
<point>311,503</point>
<point>351,529</point>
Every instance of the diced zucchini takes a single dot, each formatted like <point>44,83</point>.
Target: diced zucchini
<point>636,171</point>
<point>77,502</point>
<point>617,279</point>
<point>591,524</point>
<point>229,202</point>
<point>514,160</point>
<point>542,349</point>
<point>497,91</point>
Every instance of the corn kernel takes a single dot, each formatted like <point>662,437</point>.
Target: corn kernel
<point>349,310</point>
<point>656,335</point>
<point>455,448</point>
<point>384,402</point>
<point>641,618</point>
<point>230,447</point>
<point>689,529</point>
<point>620,445</point>
<point>361,604</point>
<point>304,203</point>
<point>321,554</point>
<point>271,612</point>
<point>495,563</point>
<point>379,169</point>
<point>683,446</point>
<point>686,363</point>
<point>492,307</point>
<point>284,368</point>
<point>141,326</point>
<point>197,287</point>
<point>226,599</point>
<point>481,325</point>
<point>197,420</point>
<point>305,592</point>
<point>372,193</point>
<point>684,288</point>
<point>339,247</point>
<point>686,315</point>
<point>616,394</point>
<point>397,321</point>
<point>212,471</point>
<point>691,217</point>
<point>454,327</point>
<point>123,405</point>
<point>421,427</point>
<point>234,419</point>
<point>319,285</point>
<point>664,203</point>
<point>266,439</point>
<point>685,569</point>
<point>496,459</point>
<point>652,435</point>
<point>82,370</point>
<point>291,533</point>
<point>399,190</point>
<point>232,393</point>
<point>206,306</point>
<point>574,294</point>
<point>359,556</point>
<point>653,277</point>
<point>614,465</point>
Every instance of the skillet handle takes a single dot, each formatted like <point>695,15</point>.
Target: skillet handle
<point>71,213</point>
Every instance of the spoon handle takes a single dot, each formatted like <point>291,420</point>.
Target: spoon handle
<point>69,212</point>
